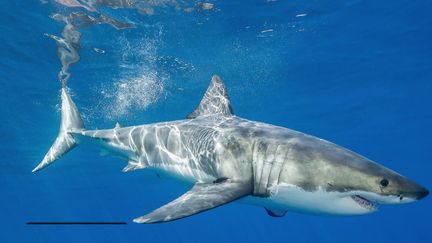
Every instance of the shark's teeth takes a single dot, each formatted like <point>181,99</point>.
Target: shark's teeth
<point>364,202</point>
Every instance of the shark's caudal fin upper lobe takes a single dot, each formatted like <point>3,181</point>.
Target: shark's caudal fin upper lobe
<point>70,121</point>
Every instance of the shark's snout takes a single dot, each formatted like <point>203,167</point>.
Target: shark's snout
<point>413,192</point>
<point>421,194</point>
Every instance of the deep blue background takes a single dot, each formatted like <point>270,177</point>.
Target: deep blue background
<point>357,73</point>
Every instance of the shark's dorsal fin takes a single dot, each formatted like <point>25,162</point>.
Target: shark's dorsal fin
<point>118,125</point>
<point>215,100</point>
<point>202,197</point>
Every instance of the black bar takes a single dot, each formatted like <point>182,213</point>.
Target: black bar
<point>66,223</point>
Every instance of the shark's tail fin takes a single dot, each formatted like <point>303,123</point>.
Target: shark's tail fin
<point>70,121</point>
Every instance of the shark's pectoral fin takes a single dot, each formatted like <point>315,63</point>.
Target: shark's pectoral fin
<point>215,101</point>
<point>276,212</point>
<point>202,197</point>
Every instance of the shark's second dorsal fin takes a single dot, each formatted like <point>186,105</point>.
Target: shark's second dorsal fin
<point>118,125</point>
<point>215,100</point>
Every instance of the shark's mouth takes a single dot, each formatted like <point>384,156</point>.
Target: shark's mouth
<point>363,202</point>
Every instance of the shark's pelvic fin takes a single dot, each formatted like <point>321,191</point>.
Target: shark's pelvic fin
<point>276,212</point>
<point>202,197</point>
<point>215,100</point>
<point>70,121</point>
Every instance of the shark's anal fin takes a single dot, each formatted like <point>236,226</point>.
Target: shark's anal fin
<point>215,100</point>
<point>202,197</point>
<point>133,165</point>
<point>276,212</point>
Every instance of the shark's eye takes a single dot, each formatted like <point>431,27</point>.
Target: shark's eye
<point>384,182</point>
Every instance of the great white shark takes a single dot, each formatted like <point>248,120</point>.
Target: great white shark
<point>229,158</point>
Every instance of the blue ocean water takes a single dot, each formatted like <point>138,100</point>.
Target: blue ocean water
<point>357,73</point>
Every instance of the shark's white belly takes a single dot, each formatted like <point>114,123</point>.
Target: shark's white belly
<point>293,198</point>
